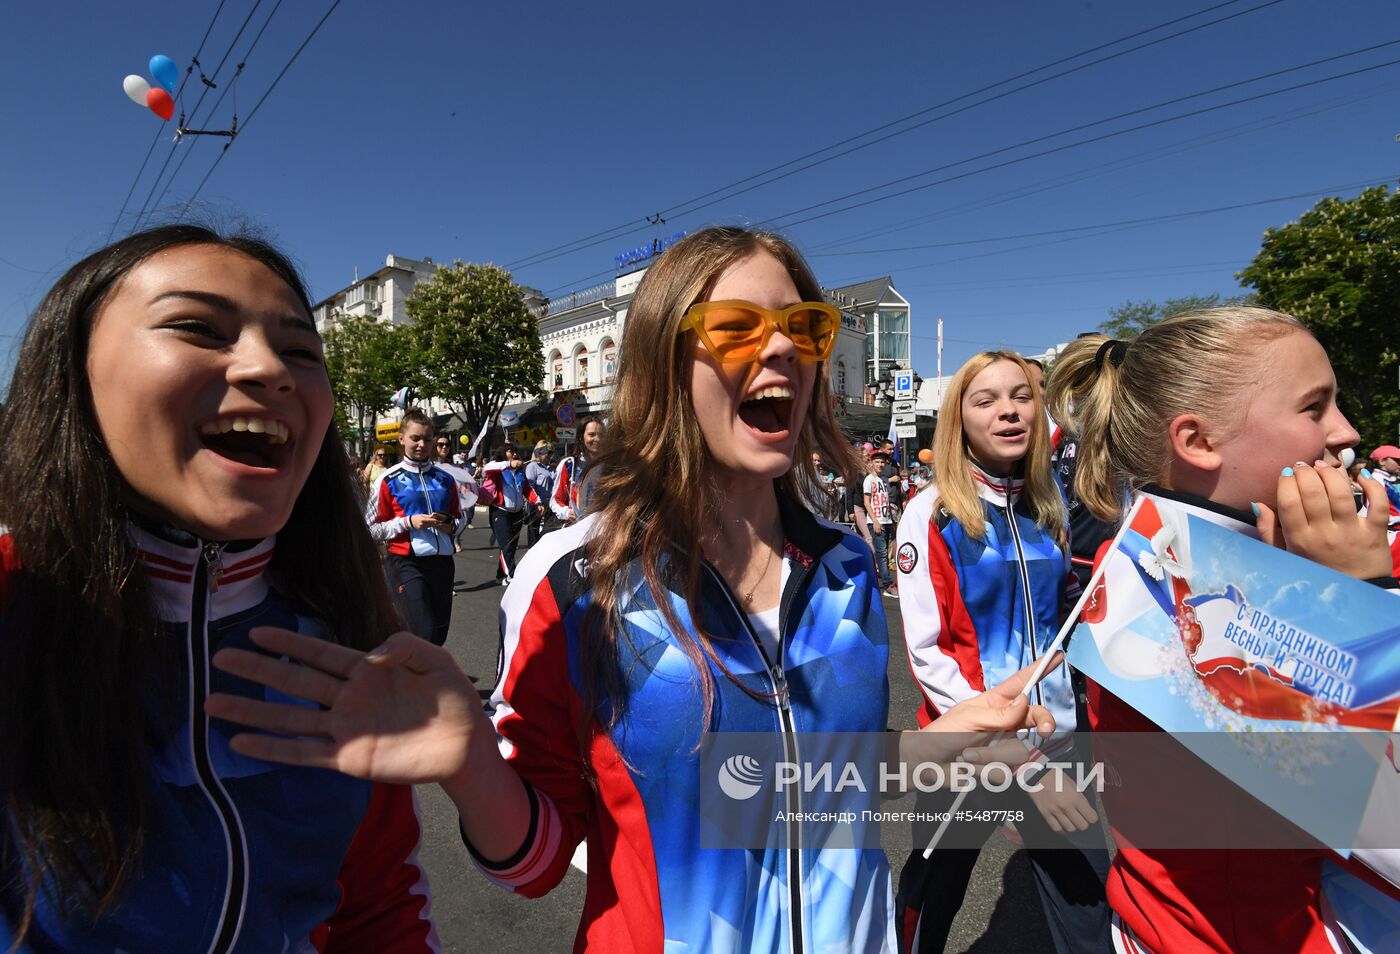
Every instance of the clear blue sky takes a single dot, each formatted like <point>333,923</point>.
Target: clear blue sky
<point>491,132</point>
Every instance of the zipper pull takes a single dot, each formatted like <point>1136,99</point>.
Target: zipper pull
<point>214,562</point>
<point>780,686</point>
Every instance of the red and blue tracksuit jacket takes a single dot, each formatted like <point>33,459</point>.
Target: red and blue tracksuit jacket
<point>405,490</point>
<point>976,611</point>
<point>652,885</point>
<point>568,498</point>
<point>1233,900</point>
<point>240,854</point>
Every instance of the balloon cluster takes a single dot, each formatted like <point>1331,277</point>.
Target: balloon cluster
<point>155,98</point>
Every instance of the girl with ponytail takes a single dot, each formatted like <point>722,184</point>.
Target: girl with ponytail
<point>1231,414</point>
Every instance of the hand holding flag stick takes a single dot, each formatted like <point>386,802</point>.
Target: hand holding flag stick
<point>1050,658</point>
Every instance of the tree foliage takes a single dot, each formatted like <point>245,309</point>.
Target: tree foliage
<point>1337,269</point>
<point>474,341</point>
<point>367,361</point>
<point>1132,318</point>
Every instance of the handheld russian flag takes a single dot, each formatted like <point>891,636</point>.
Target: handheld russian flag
<point>401,398</point>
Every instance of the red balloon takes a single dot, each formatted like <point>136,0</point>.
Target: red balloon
<point>159,102</point>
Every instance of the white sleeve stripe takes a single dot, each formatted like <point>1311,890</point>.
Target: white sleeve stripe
<point>938,673</point>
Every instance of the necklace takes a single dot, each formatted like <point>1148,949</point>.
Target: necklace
<point>768,564</point>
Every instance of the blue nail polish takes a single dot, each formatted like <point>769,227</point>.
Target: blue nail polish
<point>1257,511</point>
<point>1287,472</point>
<point>1365,474</point>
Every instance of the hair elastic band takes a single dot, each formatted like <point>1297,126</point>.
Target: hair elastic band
<point>1115,350</point>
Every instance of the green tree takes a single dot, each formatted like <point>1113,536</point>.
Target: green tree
<point>367,361</point>
<point>1337,269</point>
<point>1132,318</point>
<point>474,340</point>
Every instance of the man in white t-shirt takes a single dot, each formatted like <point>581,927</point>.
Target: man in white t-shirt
<point>876,494</point>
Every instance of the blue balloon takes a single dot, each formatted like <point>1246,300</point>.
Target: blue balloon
<point>165,72</point>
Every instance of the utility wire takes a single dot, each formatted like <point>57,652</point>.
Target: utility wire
<point>1082,142</point>
<point>1149,220</point>
<point>613,232</point>
<point>254,111</point>
<point>970,106</point>
<point>222,93</point>
<point>156,138</point>
<point>148,205</point>
<point>1116,165</point>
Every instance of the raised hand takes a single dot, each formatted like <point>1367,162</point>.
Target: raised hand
<point>1317,519</point>
<point>402,713</point>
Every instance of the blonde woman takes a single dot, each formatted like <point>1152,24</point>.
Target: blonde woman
<point>697,595</point>
<point>985,581</point>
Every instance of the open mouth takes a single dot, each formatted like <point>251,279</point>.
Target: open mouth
<point>251,441</point>
<point>1010,434</point>
<point>768,410</point>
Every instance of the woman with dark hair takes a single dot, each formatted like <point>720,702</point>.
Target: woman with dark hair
<point>698,595</point>
<point>201,492</point>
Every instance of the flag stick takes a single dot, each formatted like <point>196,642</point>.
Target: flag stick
<point>1044,662</point>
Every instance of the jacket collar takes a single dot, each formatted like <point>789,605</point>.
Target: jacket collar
<point>995,489</point>
<point>234,573</point>
<point>1241,521</point>
<point>415,466</point>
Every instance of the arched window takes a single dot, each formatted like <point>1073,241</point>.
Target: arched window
<point>556,371</point>
<point>608,350</point>
<point>580,367</point>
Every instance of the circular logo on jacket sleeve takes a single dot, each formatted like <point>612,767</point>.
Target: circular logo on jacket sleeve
<point>906,558</point>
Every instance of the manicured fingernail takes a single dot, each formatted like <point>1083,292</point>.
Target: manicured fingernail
<point>1365,474</point>
<point>377,653</point>
<point>1255,508</point>
<point>1287,472</point>
<point>1300,463</point>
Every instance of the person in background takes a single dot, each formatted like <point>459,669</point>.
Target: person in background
<point>985,582</point>
<point>570,498</point>
<point>511,502</point>
<point>541,477</point>
<point>875,495</point>
<point>374,468</point>
<point>467,488</point>
<point>414,507</point>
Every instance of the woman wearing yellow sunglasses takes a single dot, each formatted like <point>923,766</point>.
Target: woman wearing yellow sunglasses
<point>698,595</point>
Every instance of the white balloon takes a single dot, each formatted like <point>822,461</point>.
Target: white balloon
<point>136,89</point>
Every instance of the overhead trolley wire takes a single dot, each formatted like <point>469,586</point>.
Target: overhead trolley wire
<point>618,230</point>
<point>156,138</point>
<point>243,61</point>
<point>772,222</point>
<point>1125,162</point>
<point>258,105</point>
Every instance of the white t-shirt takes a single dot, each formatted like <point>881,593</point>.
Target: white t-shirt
<point>879,493</point>
<point>765,624</point>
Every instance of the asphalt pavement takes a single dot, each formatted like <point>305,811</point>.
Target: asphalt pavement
<point>1001,913</point>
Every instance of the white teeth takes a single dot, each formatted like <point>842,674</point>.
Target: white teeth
<point>780,391</point>
<point>276,431</point>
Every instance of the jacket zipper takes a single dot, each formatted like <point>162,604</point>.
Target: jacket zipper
<point>790,747</point>
<point>207,570</point>
<point>1025,584</point>
<point>423,486</point>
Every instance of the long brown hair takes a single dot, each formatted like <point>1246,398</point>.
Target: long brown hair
<point>1119,399</point>
<point>957,491</point>
<point>80,636</point>
<point>652,484</point>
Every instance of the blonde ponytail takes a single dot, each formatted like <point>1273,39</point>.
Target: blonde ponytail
<point>1119,397</point>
